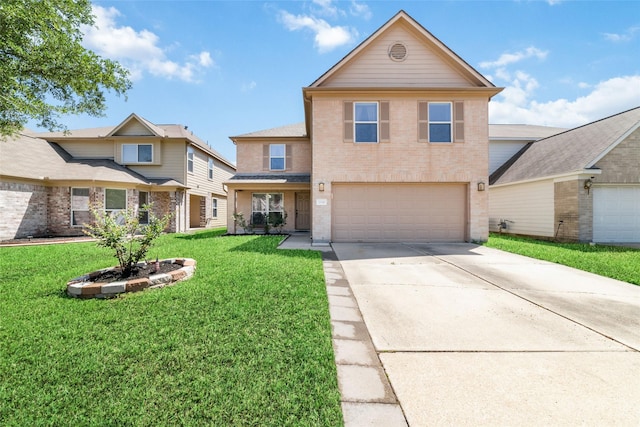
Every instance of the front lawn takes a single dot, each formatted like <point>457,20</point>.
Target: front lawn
<point>611,261</point>
<point>246,341</point>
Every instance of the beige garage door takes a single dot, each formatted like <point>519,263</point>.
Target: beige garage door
<point>399,212</point>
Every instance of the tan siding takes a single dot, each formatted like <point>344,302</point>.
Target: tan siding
<point>89,149</point>
<point>173,163</point>
<point>251,154</point>
<point>133,128</point>
<point>423,67</point>
<point>529,206</point>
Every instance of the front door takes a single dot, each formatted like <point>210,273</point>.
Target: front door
<point>303,211</point>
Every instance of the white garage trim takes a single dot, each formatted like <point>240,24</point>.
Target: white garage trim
<point>616,214</point>
<point>399,212</point>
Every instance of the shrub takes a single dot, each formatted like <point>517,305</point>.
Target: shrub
<point>122,232</point>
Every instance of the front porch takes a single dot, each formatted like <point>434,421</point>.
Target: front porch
<point>269,202</point>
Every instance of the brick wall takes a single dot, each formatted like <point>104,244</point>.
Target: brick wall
<point>620,166</point>
<point>403,159</point>
<point>574,207</point>
<point>24,210</point>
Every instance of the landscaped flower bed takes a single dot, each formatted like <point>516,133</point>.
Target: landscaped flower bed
<point>94,285</point>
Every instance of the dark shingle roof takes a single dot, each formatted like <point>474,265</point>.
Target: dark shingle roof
<point>574,150</point>
<point>288,178</point>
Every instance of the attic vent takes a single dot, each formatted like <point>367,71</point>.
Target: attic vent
<point>398,52</point>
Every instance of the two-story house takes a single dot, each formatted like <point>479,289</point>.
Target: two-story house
<point>394,147</point>
<point>48,190</point>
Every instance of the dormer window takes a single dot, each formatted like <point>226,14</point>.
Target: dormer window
<point>137,153</point>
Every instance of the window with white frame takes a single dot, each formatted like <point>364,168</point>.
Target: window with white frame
<point>440,124</point>
<point>277,156</point>
<point>210,169</point>
<point>214,207</point>
<point>266,205</point>
<point>365,121</point>
<point>143,213</point>
<point>115,201</point>
<point>137,153</point>
<point>190,159</point>
<point>80,207</point>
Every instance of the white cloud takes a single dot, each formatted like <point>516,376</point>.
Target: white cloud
<point>607,98</point>
<point>326,37</point>
<point>628,35</point>
<point>360,9</point>
<point>327,8</point>
<point>139,50</point>
<point>511,58</point>
<point>248,87</point>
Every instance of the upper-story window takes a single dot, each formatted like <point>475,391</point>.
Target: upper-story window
<point>440,123</point>
<point>210,169</point>
<point>137,153</point>
<point>277,156</point>
<point>190,159</point>
<point>366,121</point>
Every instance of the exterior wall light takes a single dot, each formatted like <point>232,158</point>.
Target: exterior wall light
<point>587,185</point>
<point>321,186</point>
<point>481,186</point>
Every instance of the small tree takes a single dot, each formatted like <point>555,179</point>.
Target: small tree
<point>122,232</point>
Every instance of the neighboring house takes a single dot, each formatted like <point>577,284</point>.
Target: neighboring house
<point>580,185</point>
<point>394,148</point>
<point>47,189</point>
<point>505,140</point>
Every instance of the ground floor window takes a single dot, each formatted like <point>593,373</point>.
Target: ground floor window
<point>143,213</point>
<point>214,207</point>
<point>115,201</point>
<point>80,207</point>
<point>267,205</point>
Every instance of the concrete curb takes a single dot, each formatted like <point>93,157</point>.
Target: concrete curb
<point>83,287</point>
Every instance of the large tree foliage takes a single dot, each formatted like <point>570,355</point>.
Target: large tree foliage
<point>44,69</point>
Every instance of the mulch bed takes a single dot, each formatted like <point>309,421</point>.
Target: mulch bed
<point>142,272</point>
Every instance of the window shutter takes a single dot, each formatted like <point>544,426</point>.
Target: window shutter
<point>265,157</point>
<point>348,121</point>
<point>458,121</point>
<point>423,121</point>
<point>384,121</point>
<point>288,149</point>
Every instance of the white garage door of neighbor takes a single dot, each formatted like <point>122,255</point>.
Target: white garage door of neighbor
<point>616,214</point>
<point>399,212</point>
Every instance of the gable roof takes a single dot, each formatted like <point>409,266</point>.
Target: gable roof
<point>512,132</point>
<point>156,130</point>
<point>47,161</point>
<point>451,57</point>
<point>572,151</point>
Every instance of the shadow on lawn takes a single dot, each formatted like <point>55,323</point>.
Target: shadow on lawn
<point>204,234</point>
<point>268,245</point>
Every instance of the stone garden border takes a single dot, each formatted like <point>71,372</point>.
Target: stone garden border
<point>84,287</point>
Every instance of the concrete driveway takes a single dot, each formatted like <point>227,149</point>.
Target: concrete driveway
<point>469,335</point>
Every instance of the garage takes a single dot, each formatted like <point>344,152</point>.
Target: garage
<point>399,212</point>
<point>616,214</point>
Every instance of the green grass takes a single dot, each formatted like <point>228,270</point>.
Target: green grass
<point>246,341</point>
<point>611,261</point>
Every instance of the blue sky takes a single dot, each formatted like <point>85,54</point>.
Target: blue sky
<point>231,67</point>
